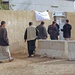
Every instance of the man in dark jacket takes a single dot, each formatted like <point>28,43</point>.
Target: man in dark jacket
<point>57,25</point>
<point>58,28</point>
<point>67,30</point>
<point>4,42</point>
<point>53,31</point>
<point>42,31</point>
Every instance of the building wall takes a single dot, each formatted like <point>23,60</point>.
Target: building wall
<point>17,22</point>
<point>43,5</point>
<point>71,17</point>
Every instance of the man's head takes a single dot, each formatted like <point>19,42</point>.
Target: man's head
<point>30,23</point>
<point>42,23</point>
<point>3,24</point>
<point>54,20</point>
<point>67,21</point>
<point>54,23</point>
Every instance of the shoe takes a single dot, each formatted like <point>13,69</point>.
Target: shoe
<point>1,62</point>
<point>29,56</point>
<point>11,59</point>
<point>32,55</point>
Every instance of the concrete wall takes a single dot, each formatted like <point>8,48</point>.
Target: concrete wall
<point>71,17</point>
<point>57,49</point>
<point>51,48</point>
<point>71,50</point>
<point>17,21</point>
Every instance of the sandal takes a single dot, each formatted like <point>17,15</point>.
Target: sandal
<point>11,59</point>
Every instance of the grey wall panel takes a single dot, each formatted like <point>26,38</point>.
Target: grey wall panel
<point>42,5</point>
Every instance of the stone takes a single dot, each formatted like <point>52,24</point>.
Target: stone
<point>51,48</point>
<point>57,49</point>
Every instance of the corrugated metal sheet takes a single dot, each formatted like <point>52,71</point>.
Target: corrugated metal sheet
<point>42,5</point>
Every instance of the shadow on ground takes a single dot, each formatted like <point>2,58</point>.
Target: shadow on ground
<point>45,60</point>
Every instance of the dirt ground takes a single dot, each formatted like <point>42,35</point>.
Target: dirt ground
<point>22,65</point>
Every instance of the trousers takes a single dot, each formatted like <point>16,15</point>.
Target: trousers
<point>31,46</point>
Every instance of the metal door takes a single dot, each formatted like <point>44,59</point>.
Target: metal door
<point>61,22</point>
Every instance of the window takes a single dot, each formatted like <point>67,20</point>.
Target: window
<point>5,5</point>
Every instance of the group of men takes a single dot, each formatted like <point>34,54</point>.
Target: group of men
<point>32,33</point>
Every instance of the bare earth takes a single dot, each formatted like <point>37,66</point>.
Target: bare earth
<point>23,65</point>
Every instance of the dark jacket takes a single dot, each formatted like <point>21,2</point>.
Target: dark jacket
<point>67,30</point>
<point>3,37</point>
<point>42,32</point>
<point>57,26</point>
<point>53,32</point>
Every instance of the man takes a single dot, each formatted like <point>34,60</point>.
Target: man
<point>57,25</point>
<point>67,30</point>
<point>30,35</point>
<point>4,42</point>
<point>53,31</point>
<point>42,31</point>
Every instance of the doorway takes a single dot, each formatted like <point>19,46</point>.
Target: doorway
<point>60,21</point>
